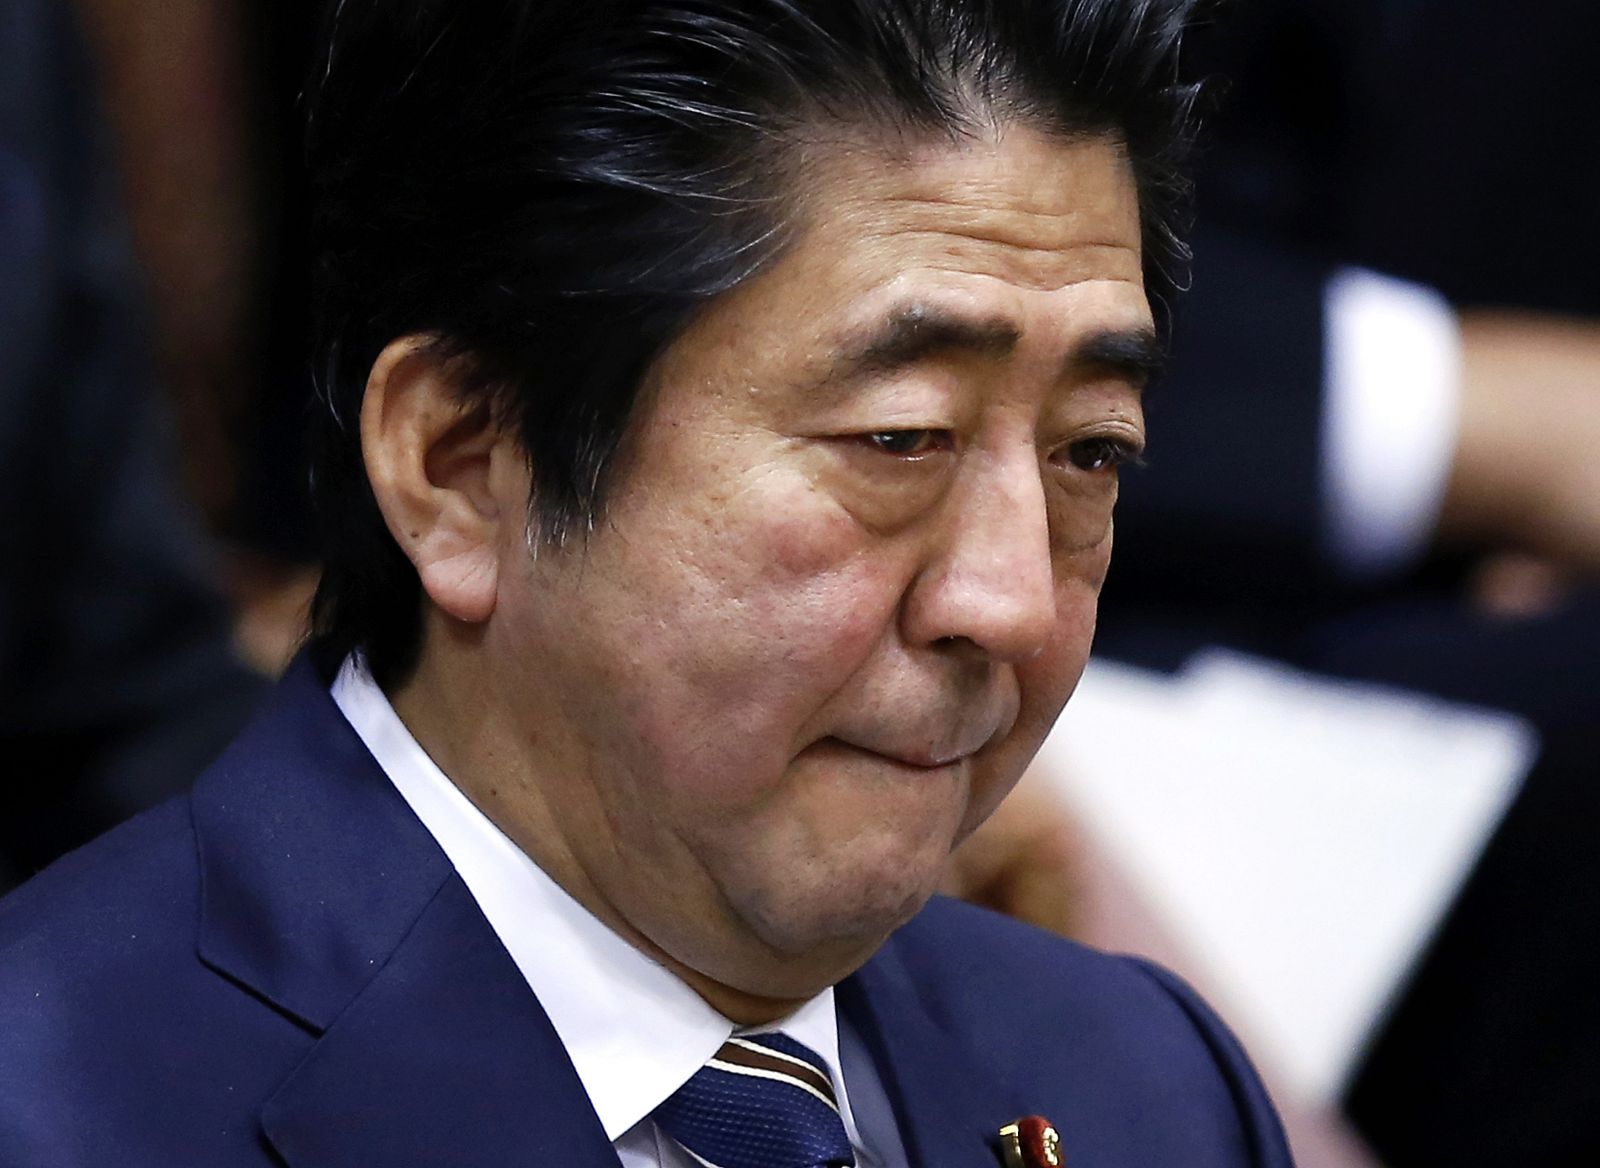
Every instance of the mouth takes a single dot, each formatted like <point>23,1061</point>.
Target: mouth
<point>913,758</point>
<point>932,742</point>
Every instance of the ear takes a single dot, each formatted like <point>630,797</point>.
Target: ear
<point>444,475</point>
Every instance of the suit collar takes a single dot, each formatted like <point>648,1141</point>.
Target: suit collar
<point>949,1100</point>
<point>323,894</point>
<point>445,1058</point>
<point>312,867</point>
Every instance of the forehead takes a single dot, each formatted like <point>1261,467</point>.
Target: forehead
<point>1020,233</point>
<point>1032,208</point>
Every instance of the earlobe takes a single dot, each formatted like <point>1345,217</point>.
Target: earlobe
<point>431,462</point>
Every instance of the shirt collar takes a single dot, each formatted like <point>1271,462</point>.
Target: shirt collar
<point>634,1031</point>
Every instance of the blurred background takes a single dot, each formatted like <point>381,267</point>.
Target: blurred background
<point>1336,759</point>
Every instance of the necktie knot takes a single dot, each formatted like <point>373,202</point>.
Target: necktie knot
<point>763,1101</point>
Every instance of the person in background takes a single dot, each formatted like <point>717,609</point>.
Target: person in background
<point>1375,459</point>
<point>118,682</point>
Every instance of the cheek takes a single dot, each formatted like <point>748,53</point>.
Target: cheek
<point>793,574</point>
<point>759,612</point>
<point>1081,529</point>
<point>1046,681</point>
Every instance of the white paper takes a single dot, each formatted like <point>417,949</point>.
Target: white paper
<point>1302,837</point>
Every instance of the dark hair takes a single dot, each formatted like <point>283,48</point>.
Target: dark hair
<point>548,188</point>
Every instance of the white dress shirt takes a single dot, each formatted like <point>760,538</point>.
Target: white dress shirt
<point>634,1031</point>
<point>1390,418</point>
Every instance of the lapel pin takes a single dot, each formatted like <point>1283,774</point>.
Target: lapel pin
<point>1031,1142</point>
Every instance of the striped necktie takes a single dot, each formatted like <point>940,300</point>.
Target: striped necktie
<point>763,1101</point>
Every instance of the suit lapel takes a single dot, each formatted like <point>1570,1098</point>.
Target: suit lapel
<point>444,1059</point>
<point>948,1100</point>
<point>312,866</point>
<point>322,894</point>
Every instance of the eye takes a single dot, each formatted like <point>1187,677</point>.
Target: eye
<point>1100,455</point>
<point>908,443</point>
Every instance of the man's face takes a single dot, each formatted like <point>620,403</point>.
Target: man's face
<point>849,569</point>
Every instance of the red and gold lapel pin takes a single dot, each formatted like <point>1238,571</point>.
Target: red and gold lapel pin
<point>1031,1142</point>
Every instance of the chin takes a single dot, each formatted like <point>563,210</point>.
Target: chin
<point>840,912</point>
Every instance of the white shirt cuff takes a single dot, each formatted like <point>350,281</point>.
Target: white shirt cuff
<point>1390,416</point>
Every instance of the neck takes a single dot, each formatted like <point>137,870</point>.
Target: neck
<point>454,721</point>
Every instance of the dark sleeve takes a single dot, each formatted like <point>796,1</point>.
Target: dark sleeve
<point>1229,513</point>
<point>117,681</point>
<point>1259,1121</point>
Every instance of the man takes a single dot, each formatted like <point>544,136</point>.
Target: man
<point>814,333</point>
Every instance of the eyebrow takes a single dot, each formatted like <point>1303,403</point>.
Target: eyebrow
<point>914,332</point>
<point>1134,354</point>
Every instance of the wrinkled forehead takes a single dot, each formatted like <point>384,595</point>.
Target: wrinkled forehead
<point>973,225</point>
<point>1044,191</point>
<point>1050,203</point>
<point>1020,250</point>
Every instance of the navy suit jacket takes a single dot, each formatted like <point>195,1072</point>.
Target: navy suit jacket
<point>283,968</point>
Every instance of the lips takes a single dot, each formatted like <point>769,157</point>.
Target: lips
<point>925,753</point>
<point>918,760</point>
<point>927,734</point>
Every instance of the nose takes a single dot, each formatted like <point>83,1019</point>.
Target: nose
<point>989,578</point>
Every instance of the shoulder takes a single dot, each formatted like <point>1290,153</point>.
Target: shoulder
<point>92,905</point>
<point>1124,1038</point>
<point>113,1033</point>
<point>991,963</point>
<point>106,927</point>
<point>92,939</point>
